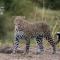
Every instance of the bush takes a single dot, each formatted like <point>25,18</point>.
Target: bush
<point>7,4</point>
<point>18,7</point>
<point>52,4</point>
<point>3,30</point>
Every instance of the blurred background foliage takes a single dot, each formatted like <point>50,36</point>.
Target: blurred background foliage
<point>51,4</point>
<point>34,10</point>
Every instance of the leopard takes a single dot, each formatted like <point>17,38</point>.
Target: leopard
<point>27,30</point>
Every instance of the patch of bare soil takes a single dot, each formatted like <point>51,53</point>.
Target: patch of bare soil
<point>5,54</point>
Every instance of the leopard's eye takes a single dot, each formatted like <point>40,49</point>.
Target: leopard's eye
<point>17,30</point>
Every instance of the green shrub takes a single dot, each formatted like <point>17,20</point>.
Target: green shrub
<point>2,26</point>
<point>18,7</point>
<point>52,4</point>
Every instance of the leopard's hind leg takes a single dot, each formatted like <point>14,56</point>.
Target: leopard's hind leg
<point>51,41</point>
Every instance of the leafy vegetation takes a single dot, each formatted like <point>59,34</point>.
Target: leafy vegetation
<point>51,4</point>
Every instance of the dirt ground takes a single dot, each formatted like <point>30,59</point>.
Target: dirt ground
<point>46,55</point>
